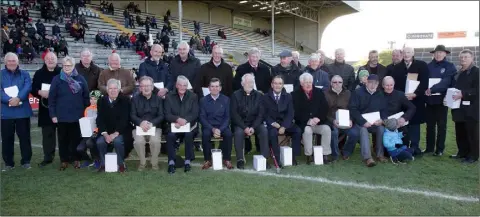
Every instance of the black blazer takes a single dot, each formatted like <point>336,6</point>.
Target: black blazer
<point>306,109</point>
<point>467,82</point>
<point>115,116</point>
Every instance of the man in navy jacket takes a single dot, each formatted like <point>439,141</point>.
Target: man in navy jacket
<point>279,113</point>
<point>366,100</point>
<point>155,68</point>
<point>16,112</point>
<point>436,114</point>
<point>215,120</point>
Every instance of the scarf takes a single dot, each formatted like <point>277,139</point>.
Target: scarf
<point>72,83</point>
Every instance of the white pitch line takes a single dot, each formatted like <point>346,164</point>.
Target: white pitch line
<point>350,184</point>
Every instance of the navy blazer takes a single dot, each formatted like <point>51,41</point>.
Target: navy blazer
<point>282,113</point>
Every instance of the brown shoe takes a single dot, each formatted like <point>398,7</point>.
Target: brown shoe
<point>121,169</point>
<point>370,163</point>
<point>63,166</point>
<point>76,165</point>
<point>228,164</point>
<point>206,165</point>
<point>382,159</point>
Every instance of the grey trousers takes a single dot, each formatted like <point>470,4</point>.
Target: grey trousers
<point>239,138</point>
<point>365,141</point>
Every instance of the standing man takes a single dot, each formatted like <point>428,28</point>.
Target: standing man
<point>418,69</point>
<point>16,112</point>
<point>279,114</point>
<point>311,109</point>
<point>320,77</point>
<point>397,57</point>
<point>155,68</point>
<point>183,64</point>
<point>259,70</point>
<point>215,120</point>
<point>323,65</point>
<point>373,67</point>
<point>216,68</point>
<point>466,117</point>
<point>296,60</point>
<point>45,75</point>
<point>339,67</point>
<point>439,68</point>
<point>88,69</point>
<point>287,69</point>
<point>117,72</point>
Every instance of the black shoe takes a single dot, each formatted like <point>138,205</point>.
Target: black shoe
<point>419,153</point>
<point>294,162</point>
<point>241,164</point>
<point>438,154</point>
<point>468,161</point>
<point>326,160</point>
<point>269,166</point>
<point>171,169</point>
<point>187,168</point>
<point>309,160</point>
<point>44,163</point>
<point>426,152</point>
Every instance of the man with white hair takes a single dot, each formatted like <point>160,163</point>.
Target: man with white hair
<point>296,60</point>
<point>373,67</point>
<point>311,109</point>
<point>215,68</point>
<point>339,67</point>
<point>320,77</point>
<point>247,118</point>
<point>183,64</point>
<point>155,68</point>
<point>88,69</point>
<point>16,112</point>
<point>117,72</point>
<point>413,69</point>
<point>45,75</point>
<point>254,66</point>
<point>397,57</point>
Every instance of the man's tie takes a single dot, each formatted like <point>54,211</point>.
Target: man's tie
<point>276,99</point>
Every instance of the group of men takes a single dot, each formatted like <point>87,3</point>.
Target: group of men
<point>292,100</point>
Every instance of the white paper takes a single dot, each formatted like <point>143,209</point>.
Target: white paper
<point>465,102</point>
<point>288,87</point>
<point>87,126</point>
<point>189,86</point>
<point>183,129</point>
<point>259,163</point>
<point>254,86</point>
<point>411,86</point>
<point>111,165</point>
<point>433,81</point>
<point>286,156</point>
<point>321,87</point>
<point>371,117</point>
<point>11,91</point>
<point>343,118</point>
<point>453,104</point>
<point>318,155</point>
<point>397,116</point>
<point>205,91</point>
<point>159,85</point>
<point>217,159</point>
<point>139,131</point>
<point>45,86</point>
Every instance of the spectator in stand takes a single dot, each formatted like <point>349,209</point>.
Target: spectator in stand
<point>88,69</point>
<point>5,34</point>
<point>139,20</point>
<point>339,67</point>
<point>56,30</point>
<point>82,20</point>
<point>9,46</point>
<point>215,68</point>
<point>222,35</point>
<point>197,27</point>
<point>28,52</point>
<point>132,22</point>
<point>183,64</point>
<point>174,46</point>
<point>147,25</point>
<point>115,71</point>
<point>133,38</point>
<point>62,46</point>
<point>154,22</point>
<point>287,69</point>
<point>41,30</point>
<point>68,97</point>
<point>31,31</point>
<point>111,9</point>
<point>68,26</point>
<point>165,42</point>
<point>156,69</point>
<point>126,18</point>
<point>16,113</point>
<point>11,13</point>
<point>320,77</point>
<point>295,58</point>
<point>60,15</point>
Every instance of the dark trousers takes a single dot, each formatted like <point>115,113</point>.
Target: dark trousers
<point>436,116</point>
<point>248,144</point>
<point>21,126</point>
<point>49,142</point>
<point>296,134</point>
<point>260,134</point>
<point>225,145</point>
<point>69,137</point>
<point>172,139</point>
<point>467,139</point>
<point>118,144</point>
<point>414,137</point>
<point>91,144</point>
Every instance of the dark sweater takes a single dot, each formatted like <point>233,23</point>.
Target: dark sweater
<point>114,117</point>
<point>262,75</point>
<point>398,102</point>
<point>306,109</point>
<point>43,76</point>
<point>246,109</point>
<point>65,105</point>
<point>144,109</point>
<point>363,102</point>
<point>215,113</point>
<point>208,71</point>
<point>189,69</point>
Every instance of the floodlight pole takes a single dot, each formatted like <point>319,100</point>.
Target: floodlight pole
<point>180,14</point>
<point>273,28</point>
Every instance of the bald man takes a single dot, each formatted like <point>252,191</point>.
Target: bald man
<point>157,69</point>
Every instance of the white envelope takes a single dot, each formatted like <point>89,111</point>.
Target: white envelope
<point>183,129</point>
<point>411,86</point>
<point>288,88</point>
<point>205,91</point>
<point>11,91</point>
<point>321,87</point>
<point>159,85</point>
<point>453,104</point>
<point>372,117</point>
<point>397,116</point>
<point>343,118</point>
<point>87,126</point>
<point>433,81</point>
<point>254,86</point>
<point>139,131</point>
<point>189,86</point>
<point>45,86</point>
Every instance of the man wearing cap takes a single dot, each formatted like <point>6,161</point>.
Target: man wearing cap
<point>339,67</point>
<point>374,67</point>
<point>287,69</point>
<point>441,71</point>
<point>366,100</point>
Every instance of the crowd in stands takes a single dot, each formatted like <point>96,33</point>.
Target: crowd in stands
<point>107,8</point>
<point>265,32</point>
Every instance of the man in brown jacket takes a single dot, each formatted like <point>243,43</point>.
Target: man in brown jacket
<point>115,71</point>
<point>338,98</point>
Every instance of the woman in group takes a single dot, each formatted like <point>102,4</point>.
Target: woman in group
<point>68,98</point>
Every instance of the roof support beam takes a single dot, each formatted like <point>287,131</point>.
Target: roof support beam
<point>294,8</point>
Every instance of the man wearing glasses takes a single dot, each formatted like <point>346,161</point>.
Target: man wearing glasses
<point>157,69</point>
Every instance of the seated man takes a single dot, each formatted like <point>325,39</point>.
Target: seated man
<point>147,112</point>
<point>365,100</point>
<point>215,118</point>
<point>113,123</point>
<point>311,109</point>
<point>337,98</point>
<point>278,109</point>
<point>247,118</point>
<point>181,107</point>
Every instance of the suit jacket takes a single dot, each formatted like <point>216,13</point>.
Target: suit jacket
<point>305,109</point>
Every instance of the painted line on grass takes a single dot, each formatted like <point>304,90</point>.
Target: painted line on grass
<point>348,183</point>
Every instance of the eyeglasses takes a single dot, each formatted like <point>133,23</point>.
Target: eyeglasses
<point>67,65</point>
<point>337,82</point>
